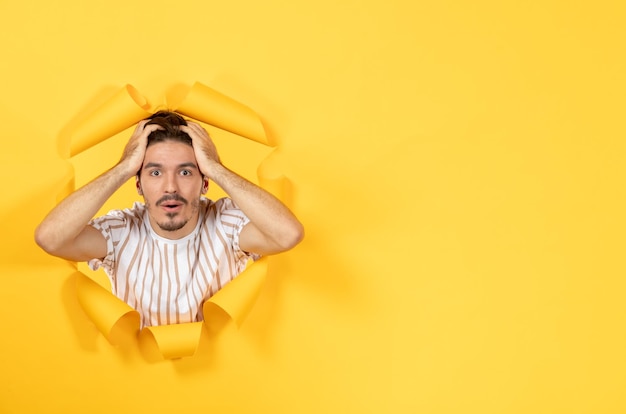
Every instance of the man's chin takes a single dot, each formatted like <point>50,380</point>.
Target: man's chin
<point>172,225</point>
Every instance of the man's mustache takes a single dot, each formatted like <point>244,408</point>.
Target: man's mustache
<point>171,197</point>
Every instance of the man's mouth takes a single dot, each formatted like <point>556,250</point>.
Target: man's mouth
<point>171,206</point>
<point>171,203</point>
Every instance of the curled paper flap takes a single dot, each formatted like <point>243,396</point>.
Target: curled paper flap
<point>121,111</point>
<point>211,107</point>
<point>238,297</point>
<point>112,316</point>
<point>172,341</point>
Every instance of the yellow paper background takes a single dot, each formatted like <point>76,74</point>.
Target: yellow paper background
<point>457,166</point>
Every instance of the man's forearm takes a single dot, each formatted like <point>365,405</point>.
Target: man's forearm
<point>274,228</point>
<point>269,215</point>
<point>65,222</point>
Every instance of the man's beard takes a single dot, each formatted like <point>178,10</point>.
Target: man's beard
<point>173,225</point>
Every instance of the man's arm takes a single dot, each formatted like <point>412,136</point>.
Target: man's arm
<point>65,232</point>
<point>273,228</point>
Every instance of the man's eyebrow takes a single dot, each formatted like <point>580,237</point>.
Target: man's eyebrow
<point>152,165</point>
<point>157,165</point>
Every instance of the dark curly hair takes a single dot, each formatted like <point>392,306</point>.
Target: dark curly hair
<point>170,131</point>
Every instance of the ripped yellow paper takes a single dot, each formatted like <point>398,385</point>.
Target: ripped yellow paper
<point>104,309</point>
<point>109,313</point>
<point>113,317</point>
<point>213,108</point>
<point>239,295</point>
<point>170,341</point>
<point>121,111</point>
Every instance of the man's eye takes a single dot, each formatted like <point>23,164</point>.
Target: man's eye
<point>185,172</point>
<point>155,173</point>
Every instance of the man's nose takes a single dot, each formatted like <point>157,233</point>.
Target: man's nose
<point>171,185</point>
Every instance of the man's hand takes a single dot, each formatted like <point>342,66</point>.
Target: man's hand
<point>135,150</point>
<point>203,147</point>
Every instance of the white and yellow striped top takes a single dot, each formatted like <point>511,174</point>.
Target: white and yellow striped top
<point>167,281</point>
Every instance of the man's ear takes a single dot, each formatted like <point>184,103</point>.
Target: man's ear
<point>138,185</point>
<point>205,185</point>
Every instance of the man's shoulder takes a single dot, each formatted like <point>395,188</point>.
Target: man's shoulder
<point>138,209</point>
<point>133,214</point>
<point>218,206</point>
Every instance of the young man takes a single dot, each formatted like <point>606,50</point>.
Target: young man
<point>165,257</point>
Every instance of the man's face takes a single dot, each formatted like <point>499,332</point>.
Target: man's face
<point>171,185</point>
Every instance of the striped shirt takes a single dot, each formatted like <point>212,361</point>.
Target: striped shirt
<point>167,281</point>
